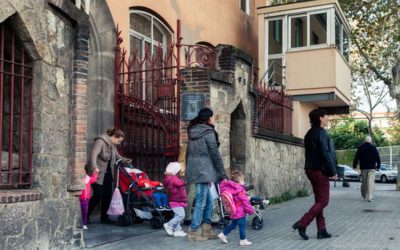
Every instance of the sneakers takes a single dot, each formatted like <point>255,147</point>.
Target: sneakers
<point>245,242</point>
<point>160,208</point>
<point>84,227</point>
<point>179,233</point>
<point>168,229</point>
<point>265,203</point>
<point>223,238</point>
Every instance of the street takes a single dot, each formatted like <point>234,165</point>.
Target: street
<point>354,223</point>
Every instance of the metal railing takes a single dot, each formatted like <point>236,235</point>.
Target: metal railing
<point>15,112</point>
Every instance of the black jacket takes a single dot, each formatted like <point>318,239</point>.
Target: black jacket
<point>368,157</point>
<point>320,154</point>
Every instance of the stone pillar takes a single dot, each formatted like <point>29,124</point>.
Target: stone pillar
<point>79,109</point>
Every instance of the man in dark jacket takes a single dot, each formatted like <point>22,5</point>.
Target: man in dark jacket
<point>368,157</point>
<point>319,166</point>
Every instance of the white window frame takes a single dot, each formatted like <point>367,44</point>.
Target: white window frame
<point>150,39</point>
<point>328,13</point>
<point>247,8</point>
<point>267,56</point>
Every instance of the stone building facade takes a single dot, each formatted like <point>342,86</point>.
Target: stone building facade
<point>45,214</point>
<point>229,92</point>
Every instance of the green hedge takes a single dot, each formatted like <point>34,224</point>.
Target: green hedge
<point>345,157</point>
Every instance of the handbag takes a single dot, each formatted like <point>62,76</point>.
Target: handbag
<point>117,204</point>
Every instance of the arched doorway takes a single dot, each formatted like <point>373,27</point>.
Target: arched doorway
<point>237,138</point>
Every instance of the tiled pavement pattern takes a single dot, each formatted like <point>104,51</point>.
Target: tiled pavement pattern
<point>355,224</point>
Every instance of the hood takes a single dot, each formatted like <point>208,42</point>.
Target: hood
<point>105,138</point>
<point>199,131</point>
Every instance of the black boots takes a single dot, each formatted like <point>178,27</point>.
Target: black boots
<point>323,234</point>
<point>301,230</point>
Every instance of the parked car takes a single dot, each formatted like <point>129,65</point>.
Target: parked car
<point>350,174</point>
<point>386,173</point>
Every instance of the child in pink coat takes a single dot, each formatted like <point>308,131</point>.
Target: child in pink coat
<point>176,189</point>
<point>235,186</point>
<point>85,195</point>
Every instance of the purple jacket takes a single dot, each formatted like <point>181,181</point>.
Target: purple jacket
<point>176,189</point>
<point>240,198</point>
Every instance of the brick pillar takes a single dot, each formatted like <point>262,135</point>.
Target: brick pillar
<point>79,109</point>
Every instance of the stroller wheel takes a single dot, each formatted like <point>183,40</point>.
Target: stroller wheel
<point>123,220</point>
<point>258,223</point>
<point>223,222</point>
<point>156,222</point>
<point>136,219</point>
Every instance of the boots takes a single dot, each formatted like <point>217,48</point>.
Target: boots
<point>323,234</point>
<point>207,232</point>
<point>195,235</point>
<point>301,230</point>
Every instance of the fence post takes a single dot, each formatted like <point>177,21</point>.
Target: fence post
<point>391,155</point>
<point>398,178</point>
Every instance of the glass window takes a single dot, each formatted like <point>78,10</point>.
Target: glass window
<point>346,45</point>
<point>245,6</point>
<point>275,72</point>
<point>318,29</point>
<point>338,30</point>
<point>275,37</point>
<point>147,33</point>
<point>298,31</point>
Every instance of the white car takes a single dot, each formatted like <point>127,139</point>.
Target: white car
<point>350,174</point>
<point>386,173</point>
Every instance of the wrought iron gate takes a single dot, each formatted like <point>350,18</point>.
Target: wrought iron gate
<point>147,104</point>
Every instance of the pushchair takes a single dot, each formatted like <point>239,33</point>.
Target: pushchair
<point>139,206</point>
<point>257,222</point>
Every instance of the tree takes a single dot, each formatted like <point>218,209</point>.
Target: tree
<point>394,132</point>
<point>351,133</point>
<point>367,96</point>
<point>375,38</point>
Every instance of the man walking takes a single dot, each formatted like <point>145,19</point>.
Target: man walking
<point>368,157</point>
<point>319,166</point>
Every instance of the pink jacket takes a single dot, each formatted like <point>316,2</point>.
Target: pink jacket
<point>240,198</point>
<point>88,181</point>
<point>176,189</point>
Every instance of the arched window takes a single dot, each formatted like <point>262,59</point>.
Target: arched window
<point>16,69</point>
<point>147,33</point>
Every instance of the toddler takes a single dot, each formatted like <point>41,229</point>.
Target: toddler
<point>85,195</point>
<point>160,199</point>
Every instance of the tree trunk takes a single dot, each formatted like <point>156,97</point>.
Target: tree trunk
<point>395,86</point>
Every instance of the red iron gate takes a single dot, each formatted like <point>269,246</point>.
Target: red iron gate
<point>147,105</point>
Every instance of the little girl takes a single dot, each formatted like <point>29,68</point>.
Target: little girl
<point>85,196</point>
<point>235,186</point>
<point>176,189</point>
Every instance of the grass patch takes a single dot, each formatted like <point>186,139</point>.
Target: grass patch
<point>289,195</point>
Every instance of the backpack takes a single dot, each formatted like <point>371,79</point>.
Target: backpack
<point>228,202</point>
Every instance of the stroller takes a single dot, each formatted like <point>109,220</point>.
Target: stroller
<point>257,223</point>
<point>139,206</point>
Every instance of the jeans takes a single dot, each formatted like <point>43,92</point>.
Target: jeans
<point>234,223</point>
<point>367,183</point>
<point>179,215</point>
<point>320,185</point>
<point>160,199</point>
<point>190,188</point>
<point>203,206</point>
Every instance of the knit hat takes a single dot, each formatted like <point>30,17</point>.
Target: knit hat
<point>173,168</point>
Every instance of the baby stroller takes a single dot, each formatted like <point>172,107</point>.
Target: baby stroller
<point>139,206</point>
<point>257,204</point>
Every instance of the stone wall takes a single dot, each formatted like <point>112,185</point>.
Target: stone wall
<point>272,167</point>
<point>47,215</point>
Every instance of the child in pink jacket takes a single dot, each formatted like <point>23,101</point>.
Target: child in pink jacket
<point>176,189</point>
<point>235,186</point>
<point>85,195</point>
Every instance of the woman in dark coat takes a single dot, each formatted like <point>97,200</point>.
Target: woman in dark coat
<point>103,156</point>
<point>204,166</point>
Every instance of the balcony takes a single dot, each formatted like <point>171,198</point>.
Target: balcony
<point>311,41</point>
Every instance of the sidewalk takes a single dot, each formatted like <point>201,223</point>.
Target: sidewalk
<point>355,224</point>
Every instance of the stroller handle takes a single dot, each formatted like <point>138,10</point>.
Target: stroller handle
<point>248,188</point>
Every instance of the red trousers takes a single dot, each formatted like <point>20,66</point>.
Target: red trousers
<point>320,185</point>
